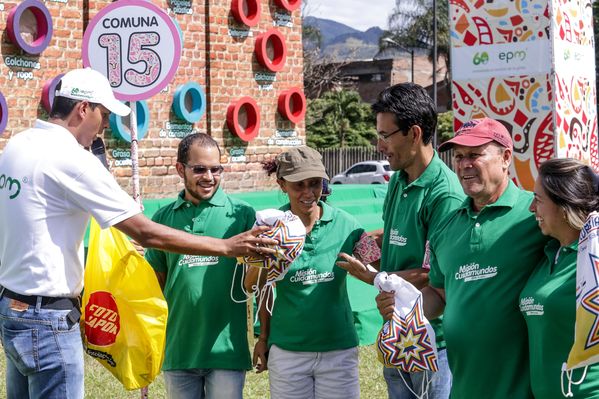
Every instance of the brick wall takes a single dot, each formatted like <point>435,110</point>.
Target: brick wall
<point>218,53</point>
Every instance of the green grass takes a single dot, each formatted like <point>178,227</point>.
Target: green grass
<point>99,383</point>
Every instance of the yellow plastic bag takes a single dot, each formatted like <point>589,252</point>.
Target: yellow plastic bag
<point>124,310</point>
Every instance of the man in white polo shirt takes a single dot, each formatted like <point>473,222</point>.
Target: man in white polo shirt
<point>49,187</point>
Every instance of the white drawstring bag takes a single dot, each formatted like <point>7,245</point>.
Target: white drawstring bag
<point>290,232</point>
<point>407,341</point>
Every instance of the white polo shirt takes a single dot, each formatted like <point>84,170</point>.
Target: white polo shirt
<point>49,186</point>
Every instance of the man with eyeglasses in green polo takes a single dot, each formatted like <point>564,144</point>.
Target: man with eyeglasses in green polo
<point>207,352</point>
<point>421,192</point>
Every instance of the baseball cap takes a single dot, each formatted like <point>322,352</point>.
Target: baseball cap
<point>89,85</point>
<point>300,163</point>
<point>478,132</point>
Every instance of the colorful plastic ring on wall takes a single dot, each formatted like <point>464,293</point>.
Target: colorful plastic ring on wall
<point>246,11</point>
<point>292,104</point>
<point>189,102</point>
<point>271,50</point>
<point>48,92</point>
<point>43,22</point>
<point>3,114</point>
<point>120,131</point>
<point>289,5</point>
<point>235,119</point>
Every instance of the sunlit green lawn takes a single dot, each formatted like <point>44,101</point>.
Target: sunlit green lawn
<point>99,383</point>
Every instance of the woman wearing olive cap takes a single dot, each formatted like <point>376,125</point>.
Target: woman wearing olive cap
<point>311,336</point>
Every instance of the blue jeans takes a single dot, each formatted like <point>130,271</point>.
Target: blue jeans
<point>439,387</point>
<point>204,384</point>
<point>44,352</point>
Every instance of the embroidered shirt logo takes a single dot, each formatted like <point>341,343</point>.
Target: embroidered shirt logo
<point>12,186</point>
<point>310,276</point>
<point>473,272</point>
<point>196,260</point>
<point>528,306</point>
<point>396,239</point>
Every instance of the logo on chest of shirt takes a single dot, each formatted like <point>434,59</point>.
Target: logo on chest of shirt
<point>197,260</point>
<point>528,306</point>
<point>473,272</point>
<point>310,276</point>
<point>396,239</point>
<point>13,186</point>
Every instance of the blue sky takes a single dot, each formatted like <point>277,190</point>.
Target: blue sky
<point>359,14</point>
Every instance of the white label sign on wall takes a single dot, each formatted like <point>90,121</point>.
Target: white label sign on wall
<point>495,60</point>
<point>135,45</point>
<point>574,59</point>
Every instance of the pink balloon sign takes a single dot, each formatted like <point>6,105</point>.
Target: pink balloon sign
<point>135,45</point>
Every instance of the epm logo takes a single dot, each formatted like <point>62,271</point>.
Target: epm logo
<point>13,186</point>
<point>504,56</point>
<point>508,56</point>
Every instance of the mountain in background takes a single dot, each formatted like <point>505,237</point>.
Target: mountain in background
<point>341,42</point>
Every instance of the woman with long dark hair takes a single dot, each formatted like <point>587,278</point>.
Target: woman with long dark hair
<point>566,192</point>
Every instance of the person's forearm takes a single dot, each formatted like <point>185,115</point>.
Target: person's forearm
<point>433,302</point>
<point>264,314</point>
<point>154,235</point>
<point>366,276</point>
<point>417,277</point>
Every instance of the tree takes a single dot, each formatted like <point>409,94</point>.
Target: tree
<point>410,24</point>
<point>445,126</point>
<point>321,74</point>
<point>339,119</point>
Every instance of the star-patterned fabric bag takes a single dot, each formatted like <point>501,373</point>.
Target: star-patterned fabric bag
<point>407,341</point>
<point>289,231</point>
<point>585,350</point>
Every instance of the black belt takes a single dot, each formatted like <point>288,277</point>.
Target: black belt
<point>56,303</point>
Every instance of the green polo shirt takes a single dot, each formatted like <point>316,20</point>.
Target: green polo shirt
<point>205,328</point>
<point>548,303</point>
<point>483,260</point>
<point>311,312</point>
<point>411,211</point>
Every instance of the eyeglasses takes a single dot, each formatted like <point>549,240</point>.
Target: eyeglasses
<point>385,137</point>
<point>201,169</point>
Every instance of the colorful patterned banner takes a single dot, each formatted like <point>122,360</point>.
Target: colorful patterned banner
<point>548,103</point>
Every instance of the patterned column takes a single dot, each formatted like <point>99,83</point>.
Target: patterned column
<point>531,65</point>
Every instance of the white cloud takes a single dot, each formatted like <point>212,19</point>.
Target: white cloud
<point>358,14</point>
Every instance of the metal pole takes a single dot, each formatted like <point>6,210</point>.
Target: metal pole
<point>134,157</point>
<point>435,65</point>
<point>412,60</point>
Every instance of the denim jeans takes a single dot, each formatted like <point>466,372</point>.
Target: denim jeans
<point>44,352</point>
<point>439,387</point>
<point>204,384</point>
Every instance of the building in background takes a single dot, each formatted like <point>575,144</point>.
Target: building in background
<point>218,53</point>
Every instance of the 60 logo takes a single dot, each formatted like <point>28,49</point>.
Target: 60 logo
<point>480,58</point>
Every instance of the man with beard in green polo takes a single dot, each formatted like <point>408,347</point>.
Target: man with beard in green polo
<point>207,353</point>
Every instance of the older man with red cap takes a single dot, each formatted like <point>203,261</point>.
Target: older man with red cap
<point>481,257</point>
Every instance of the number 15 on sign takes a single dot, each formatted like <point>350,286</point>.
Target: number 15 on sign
<point>135,45</point>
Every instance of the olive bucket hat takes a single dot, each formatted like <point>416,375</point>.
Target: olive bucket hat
<point>300,163</point>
